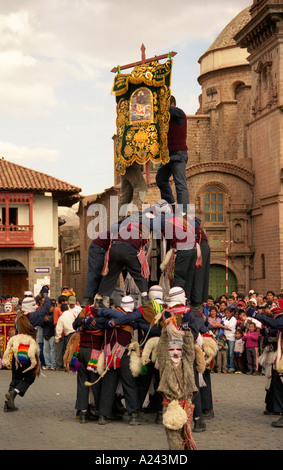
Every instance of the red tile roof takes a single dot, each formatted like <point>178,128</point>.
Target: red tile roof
<point>15,177</point>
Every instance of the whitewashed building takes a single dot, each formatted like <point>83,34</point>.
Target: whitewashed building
<point>29,202</point>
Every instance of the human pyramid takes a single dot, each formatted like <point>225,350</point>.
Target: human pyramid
<point>149,340</point>
<point>155,343</point>
<point>128,344</point>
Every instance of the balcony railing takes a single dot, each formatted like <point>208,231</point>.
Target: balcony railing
<point>16,236</point>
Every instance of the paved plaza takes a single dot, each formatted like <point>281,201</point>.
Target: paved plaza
<point>45,419</point>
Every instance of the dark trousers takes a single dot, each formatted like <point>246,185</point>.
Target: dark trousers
<point>96,256</point>
<point>203,400</point>
<point>84,375</point>
<point>197,397</point>
<point>206,392</point>
<point>143,382</point>
<point>21,380</point>
<point>239,362</point>
<point>199,292</point>
<point>184,270</point>
<point>251,359</point>
<point>274,396</point>
<point>60,349</point>
<point>109,386</point>
<point>176,168</point>
<point>122,255</point>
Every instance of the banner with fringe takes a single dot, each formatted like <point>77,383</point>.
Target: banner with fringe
<point>143,102</point>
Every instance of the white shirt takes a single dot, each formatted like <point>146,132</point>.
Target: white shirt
<point>231,323</point>
<point>65,323</point>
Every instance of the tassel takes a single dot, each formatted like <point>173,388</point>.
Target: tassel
<point>144,370</point>
<point>74,364</point>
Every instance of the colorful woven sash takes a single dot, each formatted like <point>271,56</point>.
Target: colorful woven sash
<point>145,271</point>
<point>23,358</point>
<point>92,363</point>
<point>106,259</point>
<point>112,357</point>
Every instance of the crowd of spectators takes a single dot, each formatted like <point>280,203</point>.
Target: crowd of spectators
<point>241,339</point>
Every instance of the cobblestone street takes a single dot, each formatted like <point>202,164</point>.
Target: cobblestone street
<point>46,415</point>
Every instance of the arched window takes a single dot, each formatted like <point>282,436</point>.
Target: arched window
<point>213,205</point>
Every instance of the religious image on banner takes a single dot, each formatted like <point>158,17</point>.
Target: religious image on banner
<point>142,121</point>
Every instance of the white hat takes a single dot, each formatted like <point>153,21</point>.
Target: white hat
<point>127,303</point>
<point>28,293</point>
<point>176,296</point>
<point>155,292</point>
<point>29,304</point>
<point>253,301</point>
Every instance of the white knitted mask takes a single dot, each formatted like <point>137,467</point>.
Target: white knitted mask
<point>175,349</point>
<point>176,296</point>
<point>127,303</point>
<point>155,292</point>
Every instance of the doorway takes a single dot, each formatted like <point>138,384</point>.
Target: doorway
<point>13,278</point>
<point>217,281</point>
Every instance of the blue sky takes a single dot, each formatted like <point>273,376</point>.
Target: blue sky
<point>57,113</point>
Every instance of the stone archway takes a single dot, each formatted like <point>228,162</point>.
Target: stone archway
<point>13,278</point>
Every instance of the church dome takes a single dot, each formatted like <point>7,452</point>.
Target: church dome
<point>224,51</point>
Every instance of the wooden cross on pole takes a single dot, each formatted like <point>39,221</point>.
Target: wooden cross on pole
<point>144,60</point>
<point>227,244</point>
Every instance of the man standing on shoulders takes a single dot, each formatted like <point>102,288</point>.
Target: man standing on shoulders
<point>177,145</point>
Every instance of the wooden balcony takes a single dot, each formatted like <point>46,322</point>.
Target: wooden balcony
<point>16,236</point>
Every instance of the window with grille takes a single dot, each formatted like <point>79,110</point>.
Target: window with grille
<point>213,205</point>
<point>74,262</point>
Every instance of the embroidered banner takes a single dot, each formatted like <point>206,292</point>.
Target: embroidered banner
<point>143,101</point>
<point>7,329</point>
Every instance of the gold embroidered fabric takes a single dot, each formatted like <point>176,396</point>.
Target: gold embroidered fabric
<point>143,101</point>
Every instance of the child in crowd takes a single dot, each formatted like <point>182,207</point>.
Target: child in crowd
<point>239,349</point>
<point>221,358</point>
<point>251,338</point>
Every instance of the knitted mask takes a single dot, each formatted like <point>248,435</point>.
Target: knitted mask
<point>155,292</point>
<point>29,305</point>
<point>127,304</point>
<point>8,307</point>
<point>175,349</point>
<point>162,206</point>
<point>176,296</point>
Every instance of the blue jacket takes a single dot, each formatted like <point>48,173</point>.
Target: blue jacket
<point>36,318</point>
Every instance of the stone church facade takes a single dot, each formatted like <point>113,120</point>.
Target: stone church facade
<point>234,170</point>
<point>235,148</point>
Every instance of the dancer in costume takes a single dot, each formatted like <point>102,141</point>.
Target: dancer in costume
<point>176,356</point>
<point>275,391</point>
<point>119,365</point>
<point>96,255</point>
<point>25,361</point>
<point>82,356</point>
<point>127,251</point>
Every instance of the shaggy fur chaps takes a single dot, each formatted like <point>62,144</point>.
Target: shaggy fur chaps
<point>25,345</point>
